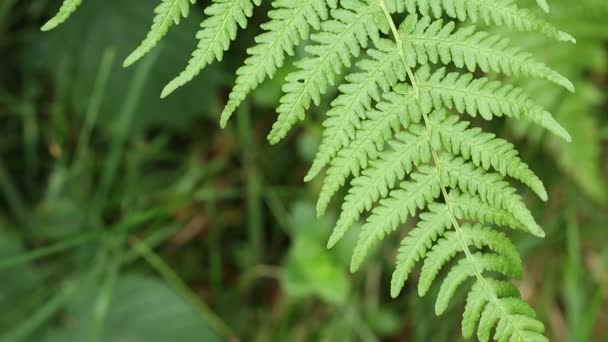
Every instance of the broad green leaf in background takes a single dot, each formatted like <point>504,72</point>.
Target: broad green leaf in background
<point>580,113</point>
<point>142,309</point>
<point>99,24</point>
<point>311,269</point>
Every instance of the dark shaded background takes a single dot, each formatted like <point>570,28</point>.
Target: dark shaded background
<point>124,217</point>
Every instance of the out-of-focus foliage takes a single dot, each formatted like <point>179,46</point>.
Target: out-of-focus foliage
<point>582,113</point>
<point>454,174</point>
<point>140,308</point>
<point>127,217</point>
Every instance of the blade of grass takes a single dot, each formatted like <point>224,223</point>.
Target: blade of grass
<point>159,235</point>
<point>81,279</point>
<point>12,196</point>
<point>574,291</point>
<point>31,133</point>
<point>97,95</point>
<point>114,245</point>
<point>173,279</point>
<point>277,208</point>
<point>254,186</point>
<point>63,245</point>
<point>134,220</point>
<point>119,140</point>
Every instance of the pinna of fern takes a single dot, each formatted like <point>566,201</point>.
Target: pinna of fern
<point>396,130</point>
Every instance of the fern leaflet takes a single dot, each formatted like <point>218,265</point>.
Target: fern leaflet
<point>65,11</point>
<point>167,13</point>
<point>291,22</point>
<point>217,31</point>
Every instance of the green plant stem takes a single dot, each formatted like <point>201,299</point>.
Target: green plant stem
<point>42,252</point>
<point>478,275</point>
<point>134,220</point>
<point>104,298</point>
<point>254,186</point>
<point>31,133</point>
<point>12,196</point>
<point>574,298</point>
<point>92,113</point>
<point>123,126</point>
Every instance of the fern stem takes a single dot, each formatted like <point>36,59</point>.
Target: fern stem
<point>480,278</point>
<point>400,48</point>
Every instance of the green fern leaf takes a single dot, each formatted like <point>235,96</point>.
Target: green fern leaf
<point>65,11</point>
<point>470,207</point>
<point>398,110</point>
<point>340,38</point>
<point>499,12</point>
<point>415,245</point>
<point>478,299</point>
<point>408,150</point>
<point>485,151</point>
<point>452,243</point>
<point>431,41</point>
<point>481,96</point>
<point>425,42</point>
<point>217,31</point>
<point>489,187</point>
<point>502,310</point>
<point>396,209</point>
<point>167,13</point>
<point>473,266</point>
<point>291,22</point>
<point>380,72</point>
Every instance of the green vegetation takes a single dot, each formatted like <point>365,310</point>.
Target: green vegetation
<point>128,214</point>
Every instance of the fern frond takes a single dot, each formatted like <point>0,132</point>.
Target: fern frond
<point>452,243</point>
<point>339,40</point>
<point>488,186</point>
<point>485,150</point>
<point>408,150</point>
<point>65,11</point>
<point>437,90</point>
<point>497,12</point>
<point>459,161</point>
<point>169,12</point>
<point>473,266</point>
<point>481,96</point>
<point>395,210</point>
<point>415,246</point>
<point>217,32</point>
<point>516,321</point>
<point>470,207</point>
<point>543,5</point>
<point>431,41</point>
<point>477,300</point>
<point>291,22</point>
<point>397,111</point>
<point>425,42</point>
<point>379,73</point>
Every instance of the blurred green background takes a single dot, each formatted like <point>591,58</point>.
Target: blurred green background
<point>124,217</point>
